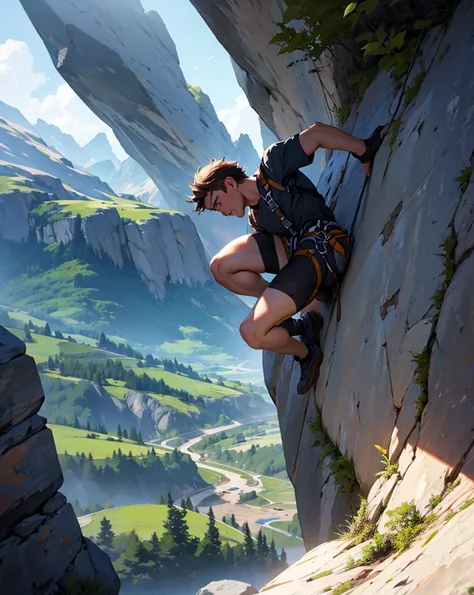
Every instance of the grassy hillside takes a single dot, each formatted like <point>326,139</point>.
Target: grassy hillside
<point>118,390</point>
<point>72,288</point>
<point>74,440</point>
<point>194,387</point>
<point>146,518</point>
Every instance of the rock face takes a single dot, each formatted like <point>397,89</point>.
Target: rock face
<point>64,143</point>
<point>227,588</point>
<point>41,543</point>
<point>287,99</point>
<point>124,66</point>
<point>369,389</point>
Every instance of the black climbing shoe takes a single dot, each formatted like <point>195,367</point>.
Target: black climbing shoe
<point>313,324</point>
<point>372,145</point>
<point>309,369</point>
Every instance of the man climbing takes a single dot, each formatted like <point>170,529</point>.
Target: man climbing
<point>296,237</point>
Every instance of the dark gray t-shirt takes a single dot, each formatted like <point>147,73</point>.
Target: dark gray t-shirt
<point>281,162</point>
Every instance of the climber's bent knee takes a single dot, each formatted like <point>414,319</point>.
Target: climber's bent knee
<point>249,331</point>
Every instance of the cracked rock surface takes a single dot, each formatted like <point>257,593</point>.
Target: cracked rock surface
<point>370,390</point>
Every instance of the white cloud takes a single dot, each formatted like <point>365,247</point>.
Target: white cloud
<point>64,109</point>
<point>242,119</point>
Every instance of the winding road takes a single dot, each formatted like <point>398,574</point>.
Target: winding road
<point>229,491</point>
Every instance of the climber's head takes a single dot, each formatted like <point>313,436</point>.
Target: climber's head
<point>216,188</point>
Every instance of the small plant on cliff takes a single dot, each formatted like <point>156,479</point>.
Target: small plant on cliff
<point>342,588</point>
<point>377,548</point>
<point>359,528</point>
<point>412,91</point>
<point>341,468</point>
<point>449,268</point>
<point>396,125</point>
<point>422,360</point>
<point>389,467</point>
<point>463,178</point>
<point>405,524</point>
<point>434,501</point>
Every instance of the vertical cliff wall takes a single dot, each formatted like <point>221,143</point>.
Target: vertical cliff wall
<point>407,296</point>
<point>41,544</point>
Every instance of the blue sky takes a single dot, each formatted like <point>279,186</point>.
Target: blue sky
<point>29,81</point>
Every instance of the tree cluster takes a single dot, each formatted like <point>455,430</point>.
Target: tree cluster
<point>125,477</point>
<point>267,460</point>
<point>178,556</point>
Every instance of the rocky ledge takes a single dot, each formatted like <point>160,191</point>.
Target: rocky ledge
<point>42,549</point>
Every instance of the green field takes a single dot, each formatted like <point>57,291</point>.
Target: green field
<point>211,477</point>
<point>280,496</point>
<point>119,391</point>
<point>74,440</point>
<point>249,478</point>
<point>133,210</point>
<point>57,375</point>
<point>8,183</point>
<point>267,440</point>
<point>280,539</point>
<point>146,518</point>
<point>194,387</point>
<point>24,318</point>
<point>271,484</point>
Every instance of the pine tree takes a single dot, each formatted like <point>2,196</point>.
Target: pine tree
<point>106,535</point>
<point>177,531</point>
<point>161,500</point>
<point>259,552</point>
<point>50,363</point>
<point>233,522</point>
<point>88,426</point>
<point>76,423</point>
<point>91,458</point>
<point>119,432</point>
<point>210,546</point>
<point>228,555</point>
<point>183,503</point>
<point>140,438</point>
<point>133,435</point>
<point>283,562</point>
<point>125,434</point>
<point>224,520</point>
<point>47,330</point>
<point>249,546</point>
<point>265,548</point>
<point>189,504</point>
<point>155,545</point>
<point>272,554</point>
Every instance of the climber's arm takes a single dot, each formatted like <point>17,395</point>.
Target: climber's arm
<point>328,137</point>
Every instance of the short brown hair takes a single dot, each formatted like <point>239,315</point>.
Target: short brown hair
<point>211,177</point>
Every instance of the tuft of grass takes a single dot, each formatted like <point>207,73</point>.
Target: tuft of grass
<point>449,516</point>
<point>342,588</point>
<point>341,468</point>
<point>389,467</point>
<point>463,178</point>
<point>405,525</point>
<point>350,563</point>
<point>320,575</point>
<point>343,113</point>
<point>431,537</point>
<point>449,268</point>
<point>434,501</point>
<point>359,527</point>
<point>467,504</point>
<point>422,360</point>
<point>421,125</point>
<point>377,548</point>
<point>412,90</point>
<point>396,125</point>
<point>470,591</point>
<point>389,580</point>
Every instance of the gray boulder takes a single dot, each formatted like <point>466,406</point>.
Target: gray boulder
<point>227,588</point>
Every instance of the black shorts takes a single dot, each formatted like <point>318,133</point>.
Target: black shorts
<point>300,278</point>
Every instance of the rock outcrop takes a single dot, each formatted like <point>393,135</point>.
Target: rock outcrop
<point>398,367</point>
<point>41,544</point>
<point>227,588</point>
<point>124,66</point>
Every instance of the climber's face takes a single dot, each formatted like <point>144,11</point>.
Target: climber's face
<point>229,202</point>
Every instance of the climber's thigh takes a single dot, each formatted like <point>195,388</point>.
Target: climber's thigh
<point>257,253</point>
<point>299,279</point>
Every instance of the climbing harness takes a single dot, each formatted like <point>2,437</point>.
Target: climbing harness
<point>321,234</point>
